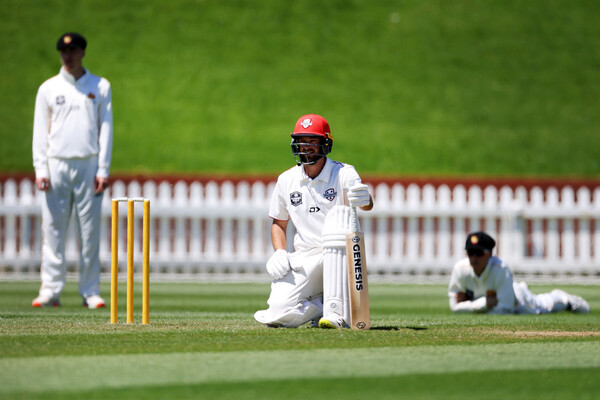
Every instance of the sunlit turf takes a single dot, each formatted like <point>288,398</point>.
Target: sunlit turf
<point>202,339</point>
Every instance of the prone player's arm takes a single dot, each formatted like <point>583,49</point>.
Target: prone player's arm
<point>468,306</point>
<point>458,299</point>
<point>278,234</point>
<point>505,295</point>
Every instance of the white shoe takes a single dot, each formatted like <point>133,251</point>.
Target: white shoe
<point>332,321</point>
<point>264,317</point>
<point>46,300</point>
<point>578,305</point>
<point>93,302</point>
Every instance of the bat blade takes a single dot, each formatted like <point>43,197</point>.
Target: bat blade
<point>360,316</point>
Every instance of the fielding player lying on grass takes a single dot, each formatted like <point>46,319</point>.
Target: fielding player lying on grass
<point>483,283</point>
<point>314,195</point>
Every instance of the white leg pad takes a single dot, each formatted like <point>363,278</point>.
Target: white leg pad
<point>335,272</point>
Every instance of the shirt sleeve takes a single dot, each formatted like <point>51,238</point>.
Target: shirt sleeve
<point>105,131</point>
<point>505,293</point>
<point>470,306</point>
<point>277,207</point>
<point>349,177</point>
<point>41,129</point>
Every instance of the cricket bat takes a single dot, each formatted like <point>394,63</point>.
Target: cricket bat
<point>360,316</point>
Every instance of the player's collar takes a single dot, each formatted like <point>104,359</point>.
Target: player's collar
<point>323,175</point>
<point>71,79</point>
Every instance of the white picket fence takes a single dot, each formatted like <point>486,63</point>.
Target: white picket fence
<point>412,230</point>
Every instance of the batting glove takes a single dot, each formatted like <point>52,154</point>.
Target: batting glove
<point>279,264</point>
<point>358,195</point>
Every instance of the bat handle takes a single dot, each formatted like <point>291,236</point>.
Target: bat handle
<point>353,220</point>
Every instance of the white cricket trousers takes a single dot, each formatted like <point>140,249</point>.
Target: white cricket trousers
<point>72,189</point>
<point>296,298</point>
<point>530,303</point>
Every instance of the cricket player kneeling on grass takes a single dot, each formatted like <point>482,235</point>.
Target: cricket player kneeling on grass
<point>305,195</point>
<point>336,299</point>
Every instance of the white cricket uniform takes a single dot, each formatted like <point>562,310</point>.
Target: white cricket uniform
<point>72,145</point>
<point>513,297</point>
<point>305,202</point>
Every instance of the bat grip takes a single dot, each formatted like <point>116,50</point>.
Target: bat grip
<point>353,220</point>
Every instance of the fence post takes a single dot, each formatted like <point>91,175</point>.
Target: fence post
<point>378,240</point>
<point>584,243</point>
<point>510,210</point>
<point>567,204</point>
<point>428,238</point>
<point>413,200</point>
<point>397,205</point>
<point>196,205</point>
<point>444,235</point>
<point>459,205</point>
<point>553,243</point>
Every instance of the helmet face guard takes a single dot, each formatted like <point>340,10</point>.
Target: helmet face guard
<point>302,156</point>
<point>311,126</point>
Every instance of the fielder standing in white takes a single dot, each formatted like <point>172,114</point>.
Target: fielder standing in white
<point>72,147</point>
<point>312,281</point>
<point>482,283</point>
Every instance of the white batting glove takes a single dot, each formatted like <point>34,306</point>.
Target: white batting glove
<point>279,264</point>
<point>358,195</point>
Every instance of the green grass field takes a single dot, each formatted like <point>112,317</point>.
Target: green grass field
<point>410,87</point>
<point>468,87</point>
<point>202,342</point>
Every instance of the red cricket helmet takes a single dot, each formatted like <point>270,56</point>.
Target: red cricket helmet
<point>311,125</point>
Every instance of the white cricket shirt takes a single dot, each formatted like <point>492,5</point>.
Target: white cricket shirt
<point>496,276</point>
<point>307,201</point>
<point>73,119</point>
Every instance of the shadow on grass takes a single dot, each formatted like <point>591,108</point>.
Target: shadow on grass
<point>396,328</point>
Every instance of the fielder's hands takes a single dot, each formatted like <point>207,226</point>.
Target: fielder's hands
<point>279,264</point>
<point>42,184</point>
<point>491,299</point>
<point>101,184</point>
<point>358,195</point>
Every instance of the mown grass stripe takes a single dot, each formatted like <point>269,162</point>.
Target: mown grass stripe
<point>76,373</point>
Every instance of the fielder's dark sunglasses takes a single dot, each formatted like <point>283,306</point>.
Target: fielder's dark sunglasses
<point>475,252</point>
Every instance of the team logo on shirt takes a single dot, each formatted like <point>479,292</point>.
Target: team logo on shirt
<point>60,99</point>
<point>296,198</point>
<point>330,194</point>
<point>91,96</point>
